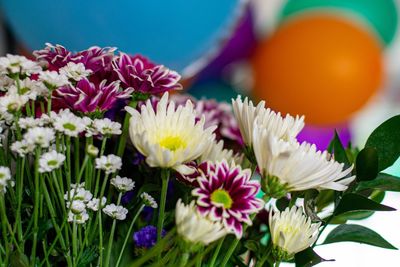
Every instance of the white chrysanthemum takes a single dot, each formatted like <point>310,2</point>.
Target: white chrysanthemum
<point>149,200</point>
<point>115,212</point>
<point>216,152</point>
<point>68,123</point>
<point>12,103</point>
<point>76,206</point>
<point>53,79</point>
<point>50,161</point>
<point>29,122</point>
<point>123,184</point>
<point>29,88</point>
<point>22,147</point>
<point>18,64</point>
<point>79,218</point>
<point>41,136</point>
<point>107,127</point>
<point>194,227</point>
<point>5,179</point>
<point>109,164</point>
<point>95,203</point>
<point>79,193</point>
<point>245,113</point>
<point>297,167</point>
<point>291,232</point>
<point>75,71</point>
<point>169,137</point>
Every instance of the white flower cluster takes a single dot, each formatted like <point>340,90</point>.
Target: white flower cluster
<point>5,179</point>
<point>115,212</point>
<point>148,200</point>
<point>109,164</point>
<point>14,64</point>
<point>123,184</point>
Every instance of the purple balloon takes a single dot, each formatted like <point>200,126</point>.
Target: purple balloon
<point>321,136</point>
<point>239,46</point>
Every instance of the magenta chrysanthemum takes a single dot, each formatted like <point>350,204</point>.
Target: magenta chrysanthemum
<point>88,97</point>
<point>227,194</point>
<point>143,76</point>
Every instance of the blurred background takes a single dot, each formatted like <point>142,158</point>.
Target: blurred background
<point>335,61</point>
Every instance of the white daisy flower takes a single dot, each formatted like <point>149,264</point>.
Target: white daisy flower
<point>53,79</point>
<point>12,64</point>
<point>107,127</point>
<point>32,89</point>
<point>169,137</point>
<point>149,200</point>
<point>78,194</point>
<point>123,184</point>
<point>5,179</point>
<point>68,123</point>
<point>29,122</point>
<point>95,203</point>
<point>50,161</point>
<point>76,206</point>
<point>12,103</point>
<point>75,71</point>
<point>216,152</point>
<point>41,136</point>
<point>22,147</point>
<point>109,163</point>
<point>291,232</point>
<point>195,228</point>
<point>115,212</point>
<point>292,167</point>
<point>79,218</point>
<point>245,113</point>
<point>5,82</point>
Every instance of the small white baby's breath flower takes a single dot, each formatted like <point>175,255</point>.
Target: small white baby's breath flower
<point>149,200</point>
<point>22,147</point>
<point>79,218</point>
<point>107,127</point>
<point>123,184</point>
<point>94,203</point>
<point>115,212</point>
<point>50,161</point>
<point>53,79</point>
<point>41,136</point>
<point>75,71</point>
<point>109,163</point>
<point>5,179</point>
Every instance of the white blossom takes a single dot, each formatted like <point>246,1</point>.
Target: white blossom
<point>92,150</point>
<point>79,218</point>
<point>5,179</point>
<point>94,203</point>
<point>149,200</point>
<point>13,64</point>
<point>76,206</point>
<point>115,212</point>
<point>12,103</point>
<point>109,163</point>
<point>29,122</point>
<point>53,79</point>
<point>41,136</point>
<point>50,161</point>
<point>68,123</point>
<point>123,184</point>
<point>107,127</point>
<point>22,147</point>
<point>75,71</point>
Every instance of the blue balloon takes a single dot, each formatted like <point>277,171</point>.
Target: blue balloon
<point>175,33</point>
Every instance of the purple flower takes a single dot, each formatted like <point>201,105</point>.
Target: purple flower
<point>88,97</point>
<point>145,77</point>
<point>56,56</point>
<point>227,194</point>
<point>147,236</point>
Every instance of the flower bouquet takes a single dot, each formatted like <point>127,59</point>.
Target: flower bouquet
<point>103,163</point>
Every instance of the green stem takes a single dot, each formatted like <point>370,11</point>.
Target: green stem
<point>164,187</point>
<point>4,229</point>
<point>74,243</point>
<point>183,259</point>
<point>128,235</point>
<point>216,252</point>
<point>76,156</point>
<point>36,208</point>
<point>111,238</point>
<point>20,188</point>
<point>125,131</point>
<point>277,263</point>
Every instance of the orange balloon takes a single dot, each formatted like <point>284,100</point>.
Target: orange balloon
<point>321,66</point>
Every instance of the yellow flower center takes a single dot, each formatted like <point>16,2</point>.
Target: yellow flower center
<point>172,143</point>
<point>221,196</point>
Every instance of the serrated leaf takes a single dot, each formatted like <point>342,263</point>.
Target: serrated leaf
<point>354,202</point>
<point>384,182</point>
<point>367,164</point>
<point>307,258</point>
<point>386,140</point>
<point>357,233</point>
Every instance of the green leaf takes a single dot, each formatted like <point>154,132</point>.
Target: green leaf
<point>307,258</point>
<point>324,198</point>
<point>367,164</point>
<point>354,202</point>
<point>384,182</point>
<point>282,203</point>
<point>386,140</point>
<point>357,233</point>
<point>252,245</point>
<point>88,255</point>
<point>44,227</point>
<point>19,260</point>
<point>338,150</point>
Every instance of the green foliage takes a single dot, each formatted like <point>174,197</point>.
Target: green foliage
<point>383,181</point>
<point>354,202</point>
<point>357,233</point>
<point>307,258</point>
<point>367,164</point>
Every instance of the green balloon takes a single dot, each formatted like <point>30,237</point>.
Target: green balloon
<point>381,14</point>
